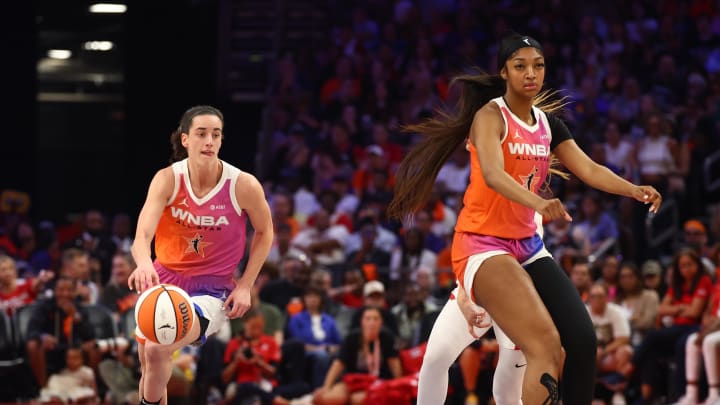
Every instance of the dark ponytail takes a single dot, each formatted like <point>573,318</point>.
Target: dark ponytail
<point>441,136</point>
<point>179,152</point>
<point>444,133</point>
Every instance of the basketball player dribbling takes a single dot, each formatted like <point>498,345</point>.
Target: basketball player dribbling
<point>197,209</point>
<point>511,140</point>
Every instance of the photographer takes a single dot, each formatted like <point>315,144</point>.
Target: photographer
<point>121,373</point>
<point>251,361</point>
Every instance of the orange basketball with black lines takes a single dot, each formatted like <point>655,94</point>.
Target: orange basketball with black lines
<point>164,314</point>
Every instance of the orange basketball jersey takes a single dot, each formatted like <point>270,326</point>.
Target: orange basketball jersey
<point>203,235</point>
<point>526,154</point>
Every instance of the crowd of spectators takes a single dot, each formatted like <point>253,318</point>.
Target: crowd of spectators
<point>643,85</point>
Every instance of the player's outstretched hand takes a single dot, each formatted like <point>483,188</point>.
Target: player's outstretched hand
<point>648,195</point>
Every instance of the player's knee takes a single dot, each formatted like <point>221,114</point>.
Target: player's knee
<point>546,345</point>
<point>545,338</point>
<point>557,357</point>
<point>156,354</point>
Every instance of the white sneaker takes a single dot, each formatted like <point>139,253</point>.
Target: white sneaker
<point>685,400</point>
<point>618,399</point>
<point>712,401</point>
<point>304,400</point>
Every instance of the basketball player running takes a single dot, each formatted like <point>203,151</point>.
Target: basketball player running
<point>196,209</point>
<point>536,306</point>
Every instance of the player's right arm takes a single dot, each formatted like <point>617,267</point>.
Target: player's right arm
<point>161,188</point>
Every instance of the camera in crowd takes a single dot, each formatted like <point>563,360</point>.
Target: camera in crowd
<point>111,344</point>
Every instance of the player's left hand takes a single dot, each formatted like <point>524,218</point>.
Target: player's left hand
<point>475,316</point>
<point>238,302</point>
<point>648,195</point>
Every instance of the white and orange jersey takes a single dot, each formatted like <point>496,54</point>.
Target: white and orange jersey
<point>526,155</point>
<point>202,236</point>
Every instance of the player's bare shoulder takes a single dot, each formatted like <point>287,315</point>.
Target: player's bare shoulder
<point>251,197</point>
<point>166,174</point>
<point>488,113</point>
<point>247,183</point>
<point>163,183</point>
<point>488,120</point>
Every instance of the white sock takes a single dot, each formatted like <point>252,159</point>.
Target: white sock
<point>509,374</point>
<point>714,392</point>
<point>448,338</point>
<point>691,392</point>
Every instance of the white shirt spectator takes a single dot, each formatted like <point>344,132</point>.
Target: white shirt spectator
<point>274,255</point>
<point>305,204</point>
<point>309,236</point>
<point>447,225</point>
<point>454,177</point>
<point>619,156</point>
<point>348,204</point>
<point>610,325</point>
<point>426,259</point>
<point>385,241</point>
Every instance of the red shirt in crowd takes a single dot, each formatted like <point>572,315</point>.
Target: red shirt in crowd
<point>22,295</point>
<point>352,300</point>
<point>702,290</point>
<point>266,347</point>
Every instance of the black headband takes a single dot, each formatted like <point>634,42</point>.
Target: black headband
<point>510,45</point>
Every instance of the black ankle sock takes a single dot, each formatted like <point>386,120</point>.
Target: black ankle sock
<point>146,402</point>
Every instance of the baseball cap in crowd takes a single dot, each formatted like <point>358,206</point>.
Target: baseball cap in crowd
<point>373,287</point>
<point>694,225</point>
<point>651,268</point>
<point>374,150</point>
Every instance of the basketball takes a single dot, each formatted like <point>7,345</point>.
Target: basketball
<point>164,314</point>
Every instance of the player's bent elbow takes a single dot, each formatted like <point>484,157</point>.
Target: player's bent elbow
<point>492,179</point>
